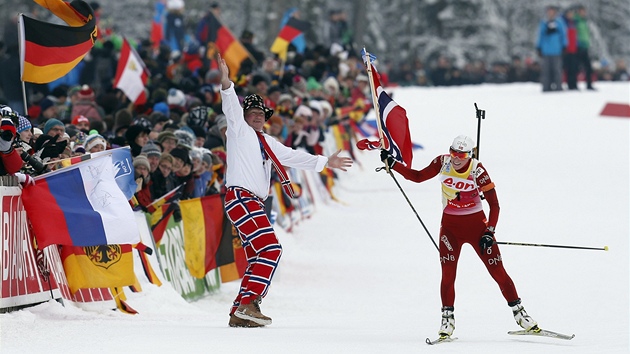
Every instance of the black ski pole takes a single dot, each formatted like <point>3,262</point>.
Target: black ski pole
<point>411,205</point>
<point>480,114</point>
<point>605,248</point>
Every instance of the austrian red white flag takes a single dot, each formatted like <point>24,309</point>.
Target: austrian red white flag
<point>131,74</point>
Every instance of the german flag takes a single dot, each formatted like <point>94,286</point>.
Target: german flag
<point>102,266</point>
<point>203,225</point>
<point>292,29</point>
<point>144,252</point>
<point>342,138</point>
<point>50,51</point>
<point>121,301</point>
<point>217,37</point>
<point>231,257</point>
<point>75,14</point>
<point>159,220</point>
<point>75,160</point>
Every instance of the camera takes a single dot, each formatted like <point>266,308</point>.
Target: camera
<point>6,135</point>
<point>35,164</point>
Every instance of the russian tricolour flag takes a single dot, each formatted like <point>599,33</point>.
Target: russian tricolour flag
<point>80,205</point>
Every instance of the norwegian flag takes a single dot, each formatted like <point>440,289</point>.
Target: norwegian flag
<point>394,123</point>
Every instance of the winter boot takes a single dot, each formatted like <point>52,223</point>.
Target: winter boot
<point>239,322</point>
<point>522,318</point>
<point>252,313</point>
<point>448,322</point>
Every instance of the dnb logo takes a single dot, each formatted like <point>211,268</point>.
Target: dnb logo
<point>103,256</point>
<point>122,168</point>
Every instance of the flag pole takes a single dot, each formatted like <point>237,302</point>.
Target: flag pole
<point>282,64</point>
<point>368,65</point>
<point>377,111</point>
<point>19,24</point>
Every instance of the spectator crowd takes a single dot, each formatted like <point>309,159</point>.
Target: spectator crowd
<point>177,138</point>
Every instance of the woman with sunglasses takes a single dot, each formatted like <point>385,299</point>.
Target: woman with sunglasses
<point>463,179</point>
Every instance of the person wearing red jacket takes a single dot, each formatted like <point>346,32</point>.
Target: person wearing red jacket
<point>570,59</point>
<point>463,179</point>
<point>11,161</point>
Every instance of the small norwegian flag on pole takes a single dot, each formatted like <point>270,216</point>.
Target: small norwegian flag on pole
<point>131,74</point>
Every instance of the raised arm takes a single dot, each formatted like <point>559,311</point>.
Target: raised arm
<point>225,73</point>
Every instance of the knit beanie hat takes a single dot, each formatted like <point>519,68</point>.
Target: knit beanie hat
<point>166,135</point>
<point>45,104</point>
<point>198,116</point>
<point>73,90</point>
<point>199,132</point>
<point>221,122</point>
<point>185,138</point>
<point>94,140</point>
<point>207,157</point>
<point>150,149</point>
<point>313,84</point>
<point>23,125</point>
<point>52,122</point>
<point>79,119</point>
<point>86,93</point>
<point>303,111</point>
<point>182,154</point>
<point>176,98</point>
<point>141,160</point>
<point>285,97</point>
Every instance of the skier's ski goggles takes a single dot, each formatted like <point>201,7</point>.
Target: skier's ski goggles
<point>461,154</point>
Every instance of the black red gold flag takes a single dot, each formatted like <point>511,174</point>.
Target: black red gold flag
<point>292,29</point>
<point>50,51</point>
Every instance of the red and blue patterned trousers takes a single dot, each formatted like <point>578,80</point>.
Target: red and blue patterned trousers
<point>263,250</point>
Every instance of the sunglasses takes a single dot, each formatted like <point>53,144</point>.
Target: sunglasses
<point>461,154</point>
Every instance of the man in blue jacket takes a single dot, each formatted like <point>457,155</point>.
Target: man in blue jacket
<point>552,41</point>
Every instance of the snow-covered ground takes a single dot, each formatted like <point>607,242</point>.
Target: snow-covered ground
<point>363,276</point>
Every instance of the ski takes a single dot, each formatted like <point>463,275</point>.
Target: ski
<point>542,333</point>
<point>440,340</point>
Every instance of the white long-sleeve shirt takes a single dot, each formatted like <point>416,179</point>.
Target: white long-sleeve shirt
<point>246,167</point>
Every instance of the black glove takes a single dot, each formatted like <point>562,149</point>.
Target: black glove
<point>387,158</point>
<point>487,240</point>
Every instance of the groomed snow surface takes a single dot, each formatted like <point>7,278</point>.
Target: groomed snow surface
<point>362,276</point>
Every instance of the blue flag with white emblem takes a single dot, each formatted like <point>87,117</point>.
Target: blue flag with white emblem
<point>123,169</point>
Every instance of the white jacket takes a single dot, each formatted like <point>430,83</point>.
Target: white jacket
<point>245,165</point>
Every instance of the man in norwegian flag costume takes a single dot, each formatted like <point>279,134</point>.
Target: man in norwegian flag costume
<point>251,154</point>
<point>463,221</point>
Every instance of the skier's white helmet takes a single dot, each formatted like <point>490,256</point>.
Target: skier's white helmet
<point>463,143</point>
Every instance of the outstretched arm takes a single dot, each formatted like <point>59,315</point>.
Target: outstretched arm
<point>342,163</point>
<point>225,73</point>
<point>410,174</point>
